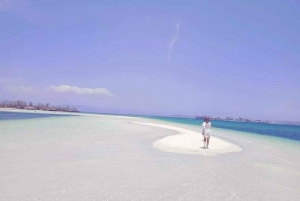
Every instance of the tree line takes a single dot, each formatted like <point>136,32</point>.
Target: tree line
<point>19,104</point>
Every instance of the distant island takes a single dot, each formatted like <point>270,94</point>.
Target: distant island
<point>238,119</point>
<point>19,104</point>
<point>250,120</point>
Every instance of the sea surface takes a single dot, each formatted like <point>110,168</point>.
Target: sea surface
<point>21,115</point>
<point>291,132</point>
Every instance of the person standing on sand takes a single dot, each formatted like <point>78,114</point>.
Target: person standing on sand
<point>206,128</point>
<point>202,129</point>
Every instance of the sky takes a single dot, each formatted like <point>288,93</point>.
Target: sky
<point>216,58</point>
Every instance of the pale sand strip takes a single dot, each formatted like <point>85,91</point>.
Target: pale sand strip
<point>56,112</point>
<point>190,142</point>
<point>37,111</point>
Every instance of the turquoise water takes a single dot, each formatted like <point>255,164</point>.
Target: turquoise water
<point>291,132</point>
<point>284,131</point>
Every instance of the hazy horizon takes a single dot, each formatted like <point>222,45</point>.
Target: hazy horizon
<point>238,59</point>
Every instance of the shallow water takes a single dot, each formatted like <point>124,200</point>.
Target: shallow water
<point>23,115</point>
<point>108,158</point>
<point>291,132</point>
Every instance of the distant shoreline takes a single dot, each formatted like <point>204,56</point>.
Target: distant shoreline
<point>237,120</point>
<point>33,108</point>
<point>241,120</point>
<point>23,105</point>
<point>10,109</point>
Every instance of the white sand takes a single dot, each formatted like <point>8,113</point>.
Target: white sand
<point>54,112</point>
<point>191,142</point>
<point>39,111</point>
<point>101,157</point>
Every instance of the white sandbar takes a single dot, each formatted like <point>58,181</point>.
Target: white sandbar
<point>191,142</point>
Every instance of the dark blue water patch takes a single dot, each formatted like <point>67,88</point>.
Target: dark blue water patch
<point>20,115</point>
<point>284,131</point>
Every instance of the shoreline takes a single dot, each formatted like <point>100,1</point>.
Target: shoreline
<point>54,112</point>
<point>38,111</point>
<point>185,142</point>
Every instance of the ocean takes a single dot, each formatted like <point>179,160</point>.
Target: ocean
<point>19,115</point>
<point>291,132</point>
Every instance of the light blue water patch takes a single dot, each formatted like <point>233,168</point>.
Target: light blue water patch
<point>20,115</point>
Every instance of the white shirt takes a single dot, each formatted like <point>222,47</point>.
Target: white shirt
<point>206,127</point>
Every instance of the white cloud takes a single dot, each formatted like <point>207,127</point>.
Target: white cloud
<point>74,89</point>
<point>19,89</point>
<point>173,41</point>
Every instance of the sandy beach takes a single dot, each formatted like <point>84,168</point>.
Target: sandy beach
<point>105,157</point>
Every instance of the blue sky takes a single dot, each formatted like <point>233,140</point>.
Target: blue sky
<point>218,58</point>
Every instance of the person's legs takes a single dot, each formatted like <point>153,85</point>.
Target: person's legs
<point>204,141</point>
<point>207,141</point>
